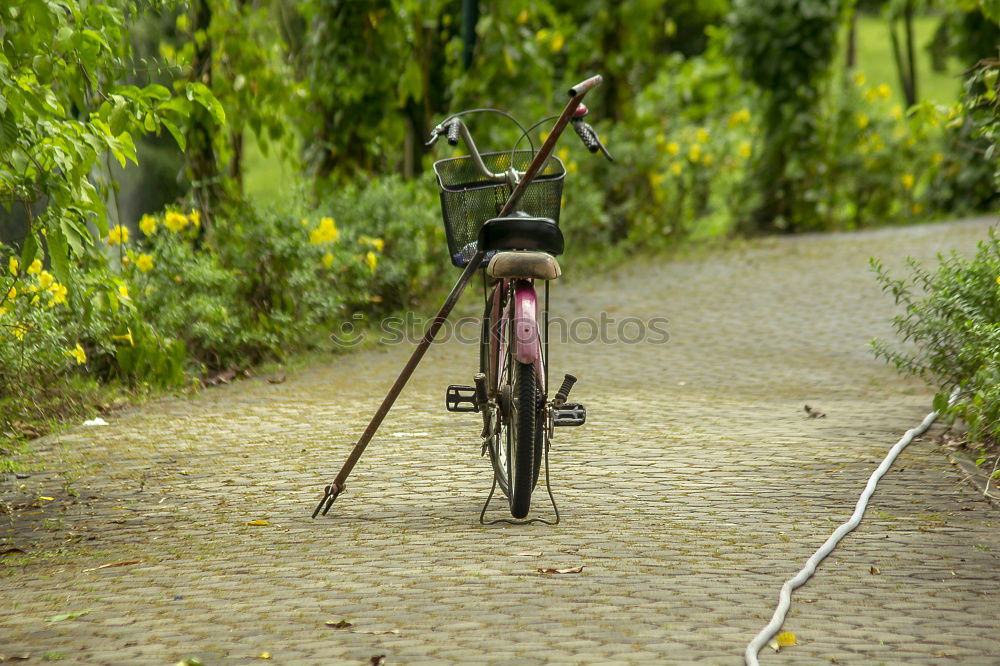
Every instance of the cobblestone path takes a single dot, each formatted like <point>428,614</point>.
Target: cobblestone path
<point>696,488</point>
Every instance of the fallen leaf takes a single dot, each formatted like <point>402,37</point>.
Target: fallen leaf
<point>339,624</point>
<point>773,644</point>
<point>264,655</point>
<point>114,564</point>
<point>258,523</point>
<point>190,661</point>
<point>277,379</point>
<point>528,555</point>
<point>785,639</point>
<point>378,660</point>
<point>874,570</point>
<point>573,570</point>
<point>14,657</point>
<point>814,413</point>
<point>68,616</point>
<point>48,499</point>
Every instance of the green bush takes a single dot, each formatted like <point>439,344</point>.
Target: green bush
<point>952,318</point>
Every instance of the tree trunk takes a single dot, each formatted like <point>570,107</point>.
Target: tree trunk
<point>852,39</point>
<point>200,151</point>
<point>911,61</point>
<point>236,162</point>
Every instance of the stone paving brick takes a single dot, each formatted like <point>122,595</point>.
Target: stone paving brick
<point>696,488</point>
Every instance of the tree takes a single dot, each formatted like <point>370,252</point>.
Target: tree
<point>786,49</point>
<point>63,108</point>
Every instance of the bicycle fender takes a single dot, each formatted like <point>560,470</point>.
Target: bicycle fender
<point>527,347</point>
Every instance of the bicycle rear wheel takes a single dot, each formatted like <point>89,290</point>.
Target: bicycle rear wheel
<point>516,437</point>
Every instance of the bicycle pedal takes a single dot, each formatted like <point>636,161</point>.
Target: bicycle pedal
<point>461,399</point>
<point>569,414</point>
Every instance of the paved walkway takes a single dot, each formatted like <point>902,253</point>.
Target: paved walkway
<point>696,488</point>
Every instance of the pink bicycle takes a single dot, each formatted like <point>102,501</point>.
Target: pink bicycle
<point>501,215</point>
<point>518,248</point>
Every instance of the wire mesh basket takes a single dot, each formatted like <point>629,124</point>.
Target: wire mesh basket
<point>468,199</point>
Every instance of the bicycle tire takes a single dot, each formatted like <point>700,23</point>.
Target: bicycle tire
<point>524,451</point>
<point>515,449</point>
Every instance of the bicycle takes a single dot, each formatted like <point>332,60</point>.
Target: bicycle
<point>511,388</point>
<point>504,223</point>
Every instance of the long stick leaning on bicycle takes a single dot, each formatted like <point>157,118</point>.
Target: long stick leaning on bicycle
<point>503,221</point>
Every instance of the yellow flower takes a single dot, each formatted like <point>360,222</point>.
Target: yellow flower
<point>744,149</point>
<point>739,117</point>
<point>675,168</point>
<point>897,112</point>
<point>175,221</point>
<point>871,95</point>
<point>998,279</point>
<point>118,235</point>
<point>144,263</point>
<point>304,222</point>
<point>45,279</point>
<point>58,292</point>
<point>694,153</point>
<point>936,158</point>
<point>195,217</point>
<point>148,225</point>
<point>564,154</point>
<point>371,260</point>
<point>557,42</point>
<point>327,260</point>
<point>3,311</point>
<point>673,148</point>
<point>860,79</point>
<point>77,354</point>
<point>708,160</point>
<point>862,120</point>
<point>907,180</point>
<point>123,291</point>
<point>12,293</point>
<point>13,265</point>
<point>655,179</point>
<point>125,338</point>
<point>326,232</point>
<point>701,135</point>
<point>522,18</point>
<point>19,331</point>
<point>35,266</point>
<point>884,91</point>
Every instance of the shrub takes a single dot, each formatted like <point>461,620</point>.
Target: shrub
<point>952,317</point>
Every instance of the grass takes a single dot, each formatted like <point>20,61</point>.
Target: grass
<point>875,59</point>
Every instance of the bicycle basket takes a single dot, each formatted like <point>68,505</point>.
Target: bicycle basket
<point>468,199</point>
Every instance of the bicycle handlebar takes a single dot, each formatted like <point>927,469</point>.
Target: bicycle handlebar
<point>585,85</point>
<point>454,127</point>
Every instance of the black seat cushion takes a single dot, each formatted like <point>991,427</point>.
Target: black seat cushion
<point>521,233</point>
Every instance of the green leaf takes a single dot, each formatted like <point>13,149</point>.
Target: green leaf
<point>174,132</point>
<point>29,250</point>
<point>199,92</point>
<point>59,254</point>
<point>68,616</point>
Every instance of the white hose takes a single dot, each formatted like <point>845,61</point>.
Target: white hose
<point>785,597</point>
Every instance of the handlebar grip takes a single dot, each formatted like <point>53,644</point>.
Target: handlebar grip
<point>585,85</point>
<point>453,132</point>
<point>587,135</point>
